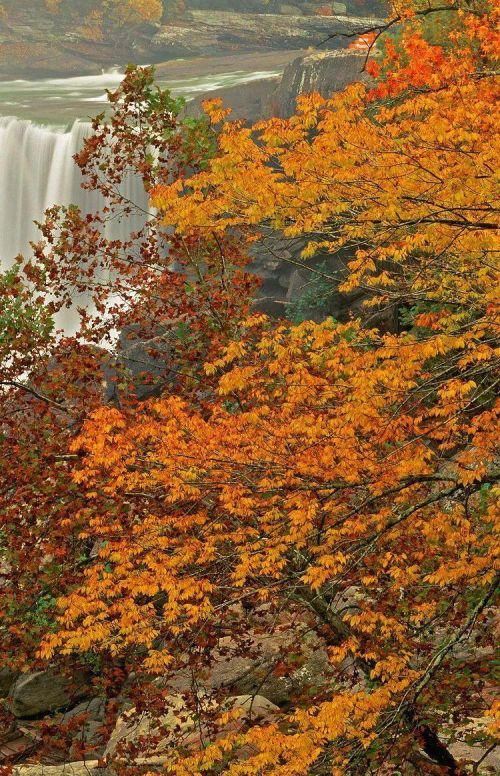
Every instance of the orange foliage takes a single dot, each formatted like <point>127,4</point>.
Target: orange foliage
<point>324,10</point>
<point>364,42</point>
<point>323,473</point>
<point>329,458</point>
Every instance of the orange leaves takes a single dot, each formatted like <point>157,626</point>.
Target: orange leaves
<point>213,109</point>
<point>322,474</point>
<point>405,185</point>
<point>364,42</point>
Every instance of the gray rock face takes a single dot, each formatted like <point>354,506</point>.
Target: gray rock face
<point>207,31</point>
<point>86,719</point>
<point>309,290</point>
<point>290,286</point>
<point>280,666</point>
<point>44,691</point>
<point>325,73</point>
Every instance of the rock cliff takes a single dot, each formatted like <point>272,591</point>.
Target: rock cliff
<point>36,43</point>
<point>305,7</point>
<point>202,32</point>
<point>325,72</point>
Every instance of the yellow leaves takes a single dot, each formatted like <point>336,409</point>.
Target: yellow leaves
<point>391,668</point>
<point>467,476</point>
<point>308,108</point>
<point>215,112</point>
<point>370,622</point>
<point>454,392</point>
<point>234,351</point>
<point>366,178</point>
<point>235,380</point>
<point>494,715</point>
<point>329,567</point>
<point>338,654</point>
<point>327,473</point>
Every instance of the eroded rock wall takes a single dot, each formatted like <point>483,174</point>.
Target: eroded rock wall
<point>323,72</point>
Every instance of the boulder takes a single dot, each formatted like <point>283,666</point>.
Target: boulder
<point>44,691</point>
<point>177,725</point>
<point>275,665</point>
<point>468,744</point>
<point>80,768</point>
<point>85,721</point>
<point>490,761</point>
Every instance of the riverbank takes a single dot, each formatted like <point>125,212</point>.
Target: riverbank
<point>59,102</point>
<point>36,47</point>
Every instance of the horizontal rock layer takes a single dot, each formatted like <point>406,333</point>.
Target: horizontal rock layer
<point>205,31</point>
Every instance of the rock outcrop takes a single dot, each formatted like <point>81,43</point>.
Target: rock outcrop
<point>85,722</point>
<point>281,666</point>
<point>178,723</point>
<point>79,768</point>
<point>206,30</point>
<point>323,72</point>
<point>294,7</point>
<point>36,43</point>
<point>309,289</point>
<point>7,679</point>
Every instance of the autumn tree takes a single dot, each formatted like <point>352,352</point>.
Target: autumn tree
<point>324,481</point>
<point>173,301</point>
<point>339,477</point>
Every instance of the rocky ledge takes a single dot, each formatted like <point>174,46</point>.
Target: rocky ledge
<point>35,43</point>
<point>322,72</point>
<point>206,31</point>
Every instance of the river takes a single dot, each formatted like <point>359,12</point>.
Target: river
<point>61,101</point>
<point>44,123</point>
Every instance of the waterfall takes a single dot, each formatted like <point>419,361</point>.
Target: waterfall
<point>37,171</point>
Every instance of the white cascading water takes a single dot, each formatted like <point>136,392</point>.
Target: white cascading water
<point>37,171</point>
